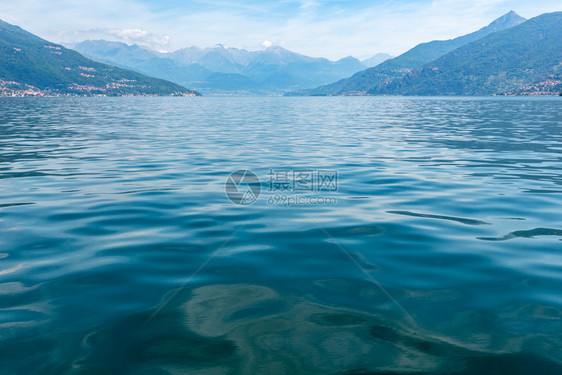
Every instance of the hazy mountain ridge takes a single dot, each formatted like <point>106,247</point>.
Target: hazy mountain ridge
<point>398,67</point>
<point>30,65</point>
<point>273,70</point>
<point>377,59</point>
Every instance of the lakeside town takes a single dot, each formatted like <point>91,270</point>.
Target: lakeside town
<point>16,89</point>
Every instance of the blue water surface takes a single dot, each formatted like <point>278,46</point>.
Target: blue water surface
<point>438,249</point>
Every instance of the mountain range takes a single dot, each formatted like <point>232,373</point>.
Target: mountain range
<point>398,67</point>
<point>30,65</point>
<point>511,56</point>
<point>225,70</point>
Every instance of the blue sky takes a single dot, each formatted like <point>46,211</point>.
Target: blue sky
<point>328,28</point>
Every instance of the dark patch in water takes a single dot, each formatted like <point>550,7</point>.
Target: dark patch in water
<point>356,231</point>
<point>184,349</point>
<point>133,344</point>
<point>14,204</point>
<point>487,364</point>
<point>435,348</point>
<point>440,217</point>
<point>463,360</point>
<point>525,234</point>
<point>336,319</point>
<point>384,333</point>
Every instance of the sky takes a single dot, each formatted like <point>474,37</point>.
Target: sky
<point>319,28</point>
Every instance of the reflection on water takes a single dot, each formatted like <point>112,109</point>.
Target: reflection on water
<point>120,252</point>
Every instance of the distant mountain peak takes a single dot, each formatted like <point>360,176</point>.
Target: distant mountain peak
<point>510,17</point>
<point>275,48</point>
<point>348,59</point>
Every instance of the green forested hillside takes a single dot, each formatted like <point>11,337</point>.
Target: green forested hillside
<point>31,64</point>
<point>524,59</point>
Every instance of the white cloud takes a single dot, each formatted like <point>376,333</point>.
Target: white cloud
<point>141,37</point>
<point>128,36</point>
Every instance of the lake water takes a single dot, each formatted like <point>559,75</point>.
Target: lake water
<point>390,235</point>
